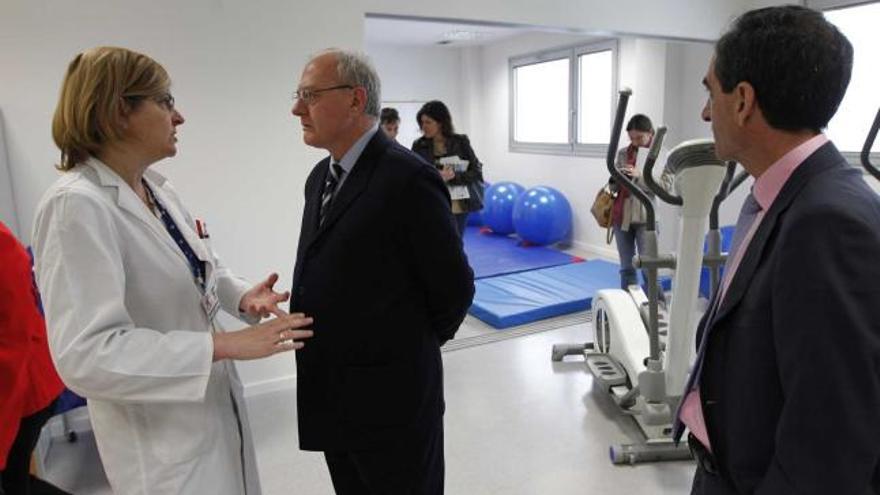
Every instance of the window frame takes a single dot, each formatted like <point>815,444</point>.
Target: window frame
<point>595,149</point>
<point>572,54</point>
<point>853,157</point>
<point>835,4</point>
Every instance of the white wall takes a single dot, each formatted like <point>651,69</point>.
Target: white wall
<point>686,96</point>
<point>642,65</point>
<point>242,164</point>
<point>686,65</point>
<point>7,204</point>
<point>416,75</point>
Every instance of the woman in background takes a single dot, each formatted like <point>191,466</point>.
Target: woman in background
<point>132,287</point>
<point>628,216</point>
<point>454,157</point>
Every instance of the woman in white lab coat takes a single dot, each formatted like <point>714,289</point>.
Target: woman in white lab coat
<point>131,288</point>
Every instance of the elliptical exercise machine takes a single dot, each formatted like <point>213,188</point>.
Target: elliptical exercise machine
<point>640,361</point>
<point>869,143</point>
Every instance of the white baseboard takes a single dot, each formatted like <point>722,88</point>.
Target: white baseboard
<point>608,252</point>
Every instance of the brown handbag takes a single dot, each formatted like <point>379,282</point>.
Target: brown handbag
<point>602,206</point>
<point>601,210</point>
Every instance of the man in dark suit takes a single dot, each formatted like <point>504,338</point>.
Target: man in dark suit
<point>785,394</point>
<point>381,269</point>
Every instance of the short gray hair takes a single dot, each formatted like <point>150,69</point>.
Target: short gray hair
<point>356,69</point>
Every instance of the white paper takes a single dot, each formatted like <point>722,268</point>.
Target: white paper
<point>455,162</point>
<point>459,192</point>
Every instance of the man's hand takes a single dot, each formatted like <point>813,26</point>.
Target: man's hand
<point>262,300</point>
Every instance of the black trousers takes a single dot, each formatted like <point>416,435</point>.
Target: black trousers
<point>706,483</point>
<point>461,222</point>
<point>16,478</point>
<point>414,467</point>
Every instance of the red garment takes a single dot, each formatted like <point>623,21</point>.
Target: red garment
<point>28,380</point>
<point>622,192</point>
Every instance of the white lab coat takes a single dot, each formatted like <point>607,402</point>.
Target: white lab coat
<point>127,331</point>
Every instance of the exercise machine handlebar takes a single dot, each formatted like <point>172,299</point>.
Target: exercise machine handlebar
<point>662,193</point>
<point>869,143</point>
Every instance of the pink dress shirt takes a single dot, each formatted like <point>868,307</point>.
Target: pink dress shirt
<point>765,190</point>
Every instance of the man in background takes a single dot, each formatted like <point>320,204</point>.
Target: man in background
<point>389,120</point>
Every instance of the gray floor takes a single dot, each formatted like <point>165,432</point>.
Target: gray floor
<point>516,423</point>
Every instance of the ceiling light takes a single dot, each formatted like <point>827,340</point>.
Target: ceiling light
<point>464,35</point>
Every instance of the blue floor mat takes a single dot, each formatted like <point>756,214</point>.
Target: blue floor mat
<point>520,298</point>
<point>491,255</point>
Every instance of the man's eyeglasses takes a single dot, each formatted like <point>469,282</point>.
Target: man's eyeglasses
<point>308,96</point>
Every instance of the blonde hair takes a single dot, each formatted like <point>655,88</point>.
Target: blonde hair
<point>100,85</point>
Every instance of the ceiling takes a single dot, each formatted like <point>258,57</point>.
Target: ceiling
<point>411,32</point>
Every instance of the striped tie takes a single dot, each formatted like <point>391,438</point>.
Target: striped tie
<point>330,185</point>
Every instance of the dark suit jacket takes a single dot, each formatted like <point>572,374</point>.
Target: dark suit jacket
<point>387,283</point>
<point>791,382</point>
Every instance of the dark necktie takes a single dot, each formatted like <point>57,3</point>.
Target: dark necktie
<point>747,215</point>
<point>334,173</point>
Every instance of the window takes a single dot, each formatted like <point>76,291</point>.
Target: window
<point>850,125</point>
<point>595,96</point>
<point>562,100</point>
<point>541,102</point>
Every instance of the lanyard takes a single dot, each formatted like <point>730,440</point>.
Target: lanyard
<point>196,266</point>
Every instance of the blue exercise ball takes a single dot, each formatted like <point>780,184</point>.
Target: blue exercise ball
<point>498,206</point>
<point>542,216</point>
<point>475,219</point>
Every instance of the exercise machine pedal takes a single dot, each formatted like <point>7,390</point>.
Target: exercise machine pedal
<point>606,371</point>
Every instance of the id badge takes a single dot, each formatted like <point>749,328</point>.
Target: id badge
<point>210,301</point>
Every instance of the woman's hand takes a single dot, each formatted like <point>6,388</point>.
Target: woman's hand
<point>447,173</point>
<point>281,334</point>
<point>631,171</point>
<point>262,300</point>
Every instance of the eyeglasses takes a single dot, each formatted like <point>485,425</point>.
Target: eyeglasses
<point>166,101</point>
<point>308,96</point>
